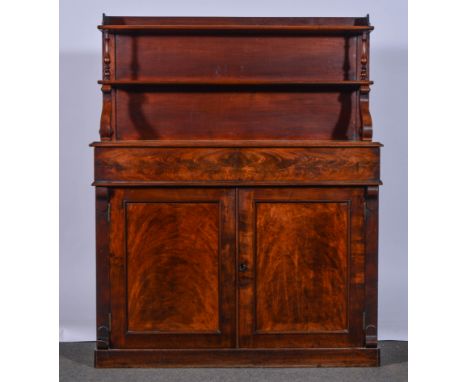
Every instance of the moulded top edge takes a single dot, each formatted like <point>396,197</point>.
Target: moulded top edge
<point>233,81</point>
<point>235,143</point>
<point>241,28</point>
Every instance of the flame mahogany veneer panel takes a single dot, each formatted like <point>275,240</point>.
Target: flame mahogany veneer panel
<point>303,254</point>
<point>224,56</point>
<point>237,164</point>
<point>172,266</point>
<point>301,266</point>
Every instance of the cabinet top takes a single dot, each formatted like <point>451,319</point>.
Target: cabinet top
<point>338,24</point>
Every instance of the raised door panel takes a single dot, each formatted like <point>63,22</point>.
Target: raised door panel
<point>171,288</point>
<point>302,264</point>
<point>301,267</point>
<point>172,268</point>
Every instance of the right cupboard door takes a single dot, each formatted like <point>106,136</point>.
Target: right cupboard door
<point>301,267</point>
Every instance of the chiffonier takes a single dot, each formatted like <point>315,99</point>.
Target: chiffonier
<point>236,193</point>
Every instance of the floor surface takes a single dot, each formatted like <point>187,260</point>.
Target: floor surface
<point>76,364</point>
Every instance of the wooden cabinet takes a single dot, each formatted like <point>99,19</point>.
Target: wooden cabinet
<point>236,193</point>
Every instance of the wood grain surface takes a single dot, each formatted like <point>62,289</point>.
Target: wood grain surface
<point>237,193</point>
<point>232,164</point>
<point>238,358</point>
<point>146,56</point>
<point>301,266</point>
<point>280,22</point>
<point>303,253</point>
<point>165,112</point>
<point>172,266</point>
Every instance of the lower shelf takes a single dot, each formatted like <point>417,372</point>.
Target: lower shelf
<point>237,357</point>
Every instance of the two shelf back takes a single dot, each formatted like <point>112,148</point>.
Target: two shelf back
<point>223,83</point>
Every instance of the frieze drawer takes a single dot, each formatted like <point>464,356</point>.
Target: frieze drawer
<point>310,165</point>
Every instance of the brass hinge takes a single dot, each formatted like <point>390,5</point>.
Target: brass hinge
<point>103,335</point>
<point>108,212</point>
<point>370,333</point>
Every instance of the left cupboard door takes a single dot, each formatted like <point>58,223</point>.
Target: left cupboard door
<point>172,268</point>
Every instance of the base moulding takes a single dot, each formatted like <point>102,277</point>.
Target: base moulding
<point>237,357</point>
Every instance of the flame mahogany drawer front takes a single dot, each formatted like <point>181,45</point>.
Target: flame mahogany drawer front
<point>242,165</point>
<point>236,193</point>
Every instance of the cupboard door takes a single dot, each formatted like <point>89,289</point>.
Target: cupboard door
<point>301,267</point>
<point>172,268</point>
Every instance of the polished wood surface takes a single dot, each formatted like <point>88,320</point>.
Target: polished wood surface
<point>236,143</point>
<point>279,22</point>
<point>301,266</point>
<point>303,249</point>
<point>236,193</point>
<point>337,357</point>
<point>214,113</point>
<point>239,57</point>
<point>372,260</point>
<point>102,268</point>
<point>172,268</point>
<point>189,81</point>
<point>302,29</point>
<point>170,65</point>
<point>230,164</point>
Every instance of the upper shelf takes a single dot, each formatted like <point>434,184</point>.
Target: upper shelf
<point>233,82</point>
<point>247,28</point>
<point>250,24</point>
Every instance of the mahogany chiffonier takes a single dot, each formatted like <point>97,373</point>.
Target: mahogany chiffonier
<point>236,193</point>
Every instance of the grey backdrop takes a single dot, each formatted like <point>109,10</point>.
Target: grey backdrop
<point>80,100</point>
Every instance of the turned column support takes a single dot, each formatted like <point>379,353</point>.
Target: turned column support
<point>106,131</point>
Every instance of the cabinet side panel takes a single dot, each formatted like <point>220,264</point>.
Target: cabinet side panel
<point>102,269</point>
<point>372,228</point>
